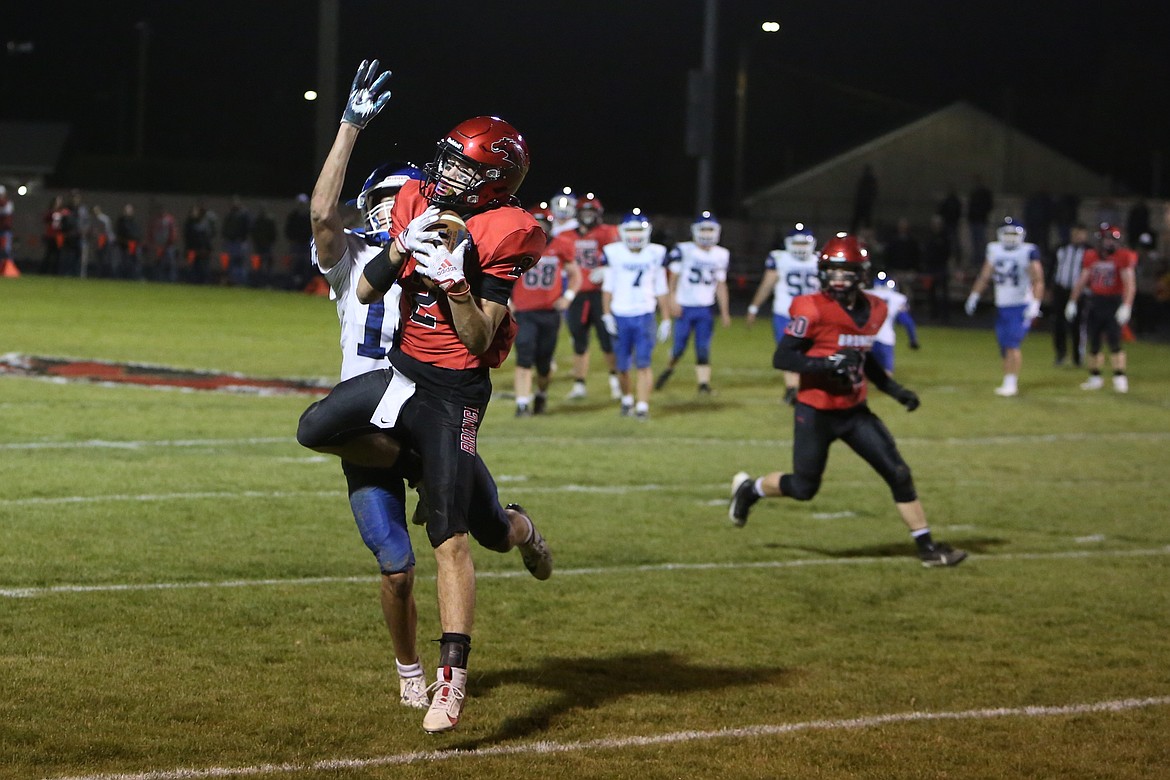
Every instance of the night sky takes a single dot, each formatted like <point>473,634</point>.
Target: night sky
<point>598,88</point>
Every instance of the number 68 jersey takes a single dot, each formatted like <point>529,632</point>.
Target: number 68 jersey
<point>541,285</point>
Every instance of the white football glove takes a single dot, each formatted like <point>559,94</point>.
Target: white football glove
<point>969,306</point>
<point>610,324</point>
<point>444,267</point>
<point>416,236</point>
<point>663,331</point>
<point>1123,314</point>
<point>1070,311</point>
<point>1032,312</point>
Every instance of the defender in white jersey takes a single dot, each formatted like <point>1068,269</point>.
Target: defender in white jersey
<point>788,273</point>
<point>897,313</point>
<point>698,280</point>
<point>634,286</point>
<point>377,496</point>
<point>1019,288</point>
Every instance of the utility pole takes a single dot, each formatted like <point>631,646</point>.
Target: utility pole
<point>328,15</point>
<point>703,109</point>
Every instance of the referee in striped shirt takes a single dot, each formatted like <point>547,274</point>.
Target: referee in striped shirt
<point>1065,271</point>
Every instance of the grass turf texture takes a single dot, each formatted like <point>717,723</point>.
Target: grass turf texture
<point>813,612</point>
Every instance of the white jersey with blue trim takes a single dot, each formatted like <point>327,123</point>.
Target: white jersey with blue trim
<point>634,279</point>
<point>367,331</point>
<point>1011,272</point>
<point>897,303</point>
<point>700,270</point>
<point>793,277</point>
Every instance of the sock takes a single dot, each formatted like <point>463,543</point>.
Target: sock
<point>758,487</point>
<point>922,539</point>
<point>1094,372</point>
<point>454,649</point>
<point>409,670</point>
<point>627,400</point>
<point>1009,381</point>
<point>642,406</point>
<point>1119,372</point>
<point>522,401</point>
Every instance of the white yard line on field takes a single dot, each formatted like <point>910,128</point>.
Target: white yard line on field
<point>649,740</point>
<point>48,590</point>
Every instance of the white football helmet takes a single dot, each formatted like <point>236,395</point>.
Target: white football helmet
<point>706,230</point>
<point>800,242</point>
<point>634,230</point>
<point>1010,233</point>
<point>564,205</point>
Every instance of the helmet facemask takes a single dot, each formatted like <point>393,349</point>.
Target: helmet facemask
<point>842,281</point>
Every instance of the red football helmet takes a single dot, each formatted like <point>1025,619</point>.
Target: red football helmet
<point>1109,236</point>
<point>843,267</point>
<point>589,210</point>
<point>543,215</point>
<point>480,163</point>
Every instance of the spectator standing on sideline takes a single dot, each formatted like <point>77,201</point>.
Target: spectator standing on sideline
<point>455,327</point>
<point>101,238</point>
<point>788,273</point>
<point>1065,271</point>
<point>77,246</point>
<point>298,231</point>
<point>128,236</point>
<point>633,287</point>
<point>937,250</point>
<point>539,299</point>
<point>864,199</point>
<point>1019,287</point>
<point>1107,271</point>
<point>828,343</point>
<point>163,243</point>
<point>263,237</point>
<point>198,232</point>
<point>902,250</point>
<point>979,203</point>
<point>237,224</point>
<point>52,236</point>
<point>6,212</point>
<point>698,282</point>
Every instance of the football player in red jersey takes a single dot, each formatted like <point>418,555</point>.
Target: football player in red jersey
<point>828,342</point>
<point>538,299</point>
<point>455,327</point>
<point>583,247</point>
<point>1108,272</point>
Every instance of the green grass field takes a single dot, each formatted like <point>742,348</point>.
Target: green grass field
<point>183,593</point>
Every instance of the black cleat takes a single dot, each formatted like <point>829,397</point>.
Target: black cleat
<point>743,495</point>
<point>535,553</point>
<point>523,411</point>
<point>663,378</point>
<point>539,403</point>
<point>942,555</point>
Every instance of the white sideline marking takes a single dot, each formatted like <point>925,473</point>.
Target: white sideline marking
<point>30,592</point>
<point>611,743</point>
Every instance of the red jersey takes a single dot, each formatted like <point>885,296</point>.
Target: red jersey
<point>832,329</point>
<point>541,285</point>
<point>505,241</point>
<point>585,250</point>
<point>1105,273</point>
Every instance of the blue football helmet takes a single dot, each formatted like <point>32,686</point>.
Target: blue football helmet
<point>381,185</point>
<point>800,242</point>
<point>706,230</point>
<point>1010,233</point>
<point>563,205</point>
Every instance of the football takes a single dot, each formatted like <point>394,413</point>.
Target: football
<point>452,229</point>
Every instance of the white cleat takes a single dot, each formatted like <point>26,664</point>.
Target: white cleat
<point>1094,383</point>
<point>412,692</point>
<point>447,703</point>
<point>1006,392</point>
<point>577,392</point>
<point>1121,383</point>
<point>615,387</point>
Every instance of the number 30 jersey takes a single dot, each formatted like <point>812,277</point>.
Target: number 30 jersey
<point>700,271</point>
<point>793,277</point>
<point>827,328</point>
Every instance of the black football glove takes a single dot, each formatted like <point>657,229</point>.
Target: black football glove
<point>367,96</point>
<point>907,398</point>
<point>843,362</point>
